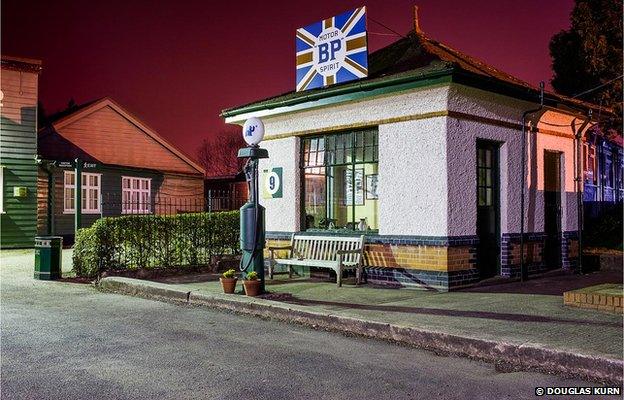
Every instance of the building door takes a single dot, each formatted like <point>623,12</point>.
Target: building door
<point>552,209</point>
<point>488,209</point>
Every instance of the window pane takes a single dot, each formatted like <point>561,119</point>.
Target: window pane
<point>339,197</point>
<point>367,208</point>
<point>314,186</point>
<point>481,177</point>
<point>359,154</point>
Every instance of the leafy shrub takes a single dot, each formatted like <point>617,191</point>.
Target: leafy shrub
<point>230,273</point>
<point>252,276</point>
<point>155,241</point>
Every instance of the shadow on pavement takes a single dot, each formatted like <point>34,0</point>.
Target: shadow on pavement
<point>551,285</point>
<point>287,298</point>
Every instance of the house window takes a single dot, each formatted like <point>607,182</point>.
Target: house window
<point>1,189</point>
<point>90,192</point>
<point>135,194</point>
<point>340,180</point>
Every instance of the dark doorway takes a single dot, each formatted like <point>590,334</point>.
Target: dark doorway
<point>552,209</point>
<point>488,209</point>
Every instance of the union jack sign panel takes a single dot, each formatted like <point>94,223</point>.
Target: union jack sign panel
<point>332,51</point>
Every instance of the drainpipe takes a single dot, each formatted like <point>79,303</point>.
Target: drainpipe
<point>523,270</point>
<point>579,190</point>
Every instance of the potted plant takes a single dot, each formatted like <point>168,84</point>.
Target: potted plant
<point>252,284</point>
<point>228,281</point>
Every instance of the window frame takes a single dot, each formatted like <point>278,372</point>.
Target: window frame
<point>590,164</point>
<point>2,189</point>
<point>86,189</point>
<point>352,147</point>
<point>139,191</point>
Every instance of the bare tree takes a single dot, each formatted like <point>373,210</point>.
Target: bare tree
<point>218,154</point>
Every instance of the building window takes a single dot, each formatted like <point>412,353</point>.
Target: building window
<point>135,194</point>
<point>589,163</point>
<point>340,180</point>
<point>90,192</point>
<point>485,177</point>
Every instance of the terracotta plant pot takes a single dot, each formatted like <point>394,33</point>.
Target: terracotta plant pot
<point>252,288</point>
<point>228,284</point>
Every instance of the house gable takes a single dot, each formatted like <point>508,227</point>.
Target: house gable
<point>113,136</point>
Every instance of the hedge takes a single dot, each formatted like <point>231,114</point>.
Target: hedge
<point>154,241</point>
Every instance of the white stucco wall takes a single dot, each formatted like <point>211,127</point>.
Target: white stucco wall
<point>282,214</point>
<point>413,178</point>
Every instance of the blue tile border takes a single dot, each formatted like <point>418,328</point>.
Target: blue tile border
<point>442,280</point>
<point>447,241</point>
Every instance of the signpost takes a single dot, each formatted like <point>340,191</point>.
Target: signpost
<point>332,51</point>
<point>78,165</point>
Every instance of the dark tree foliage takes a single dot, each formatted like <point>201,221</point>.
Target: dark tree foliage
<point>42,116</point>
<point>218,155</point>
<point>590,54</point>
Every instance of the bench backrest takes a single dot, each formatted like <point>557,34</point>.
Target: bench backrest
<point>325,247</point>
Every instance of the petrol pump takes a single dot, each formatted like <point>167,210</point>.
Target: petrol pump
<point>252,235</point>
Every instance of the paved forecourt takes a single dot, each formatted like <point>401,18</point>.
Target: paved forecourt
<point>69,341</point>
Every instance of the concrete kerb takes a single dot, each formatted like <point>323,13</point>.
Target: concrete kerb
<point>515,357</point>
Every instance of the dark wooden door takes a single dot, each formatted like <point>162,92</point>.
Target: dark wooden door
<point>552,209</point>
<point>488,209</point>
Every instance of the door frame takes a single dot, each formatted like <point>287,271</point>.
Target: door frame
<point>547,253</point>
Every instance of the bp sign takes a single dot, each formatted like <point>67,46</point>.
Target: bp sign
<point>332,51</point>
<point>272,186</point>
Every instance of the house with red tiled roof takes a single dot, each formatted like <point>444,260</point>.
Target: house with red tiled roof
<point>126,168</point>
<point>454,170</point>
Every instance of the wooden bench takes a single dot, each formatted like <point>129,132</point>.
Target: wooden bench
<point>331,252</point>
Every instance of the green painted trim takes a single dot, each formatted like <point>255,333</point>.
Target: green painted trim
<point>340,94</point>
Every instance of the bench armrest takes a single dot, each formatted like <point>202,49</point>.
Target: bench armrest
<point>289,247</point>
<point>354,251</point>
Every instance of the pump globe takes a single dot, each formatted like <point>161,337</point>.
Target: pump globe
<point>253,131</point>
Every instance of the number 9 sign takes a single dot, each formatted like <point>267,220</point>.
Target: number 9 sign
<point>273,183</point>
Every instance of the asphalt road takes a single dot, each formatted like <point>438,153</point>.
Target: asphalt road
<point>68,341</point>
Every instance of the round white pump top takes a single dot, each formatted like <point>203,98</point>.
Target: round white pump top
<point>253,131</point>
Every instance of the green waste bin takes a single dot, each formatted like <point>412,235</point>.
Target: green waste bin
<point>48,253</point>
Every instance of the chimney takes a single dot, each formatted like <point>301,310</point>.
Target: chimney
<point>416,23</point>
